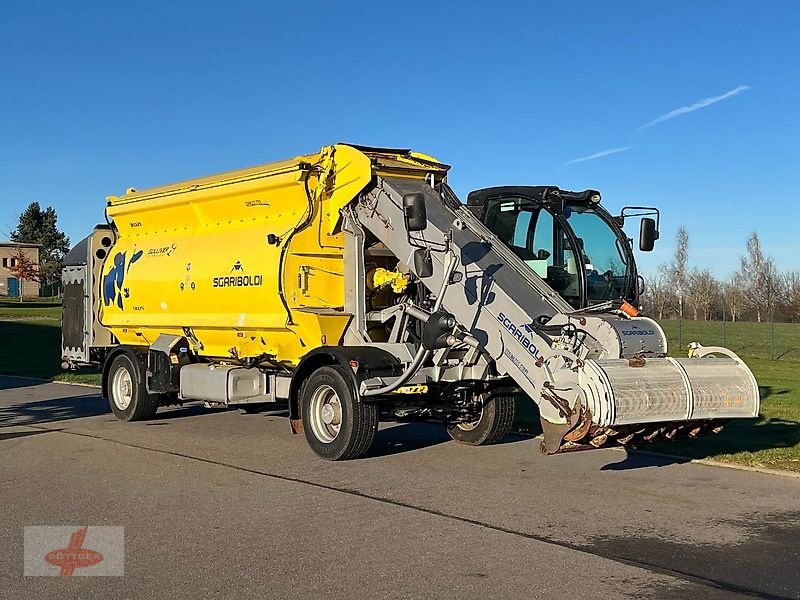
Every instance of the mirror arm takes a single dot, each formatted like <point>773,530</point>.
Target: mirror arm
<point>645,211</point>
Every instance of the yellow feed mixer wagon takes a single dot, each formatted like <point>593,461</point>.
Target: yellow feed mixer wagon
<point>353,285</point>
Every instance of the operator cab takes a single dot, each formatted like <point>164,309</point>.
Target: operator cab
<point>566,238</point>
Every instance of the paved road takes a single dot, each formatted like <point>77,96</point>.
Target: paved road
<point>224,505</point>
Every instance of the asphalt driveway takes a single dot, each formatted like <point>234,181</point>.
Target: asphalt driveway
<point>225,505</point>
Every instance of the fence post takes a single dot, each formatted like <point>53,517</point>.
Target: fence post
<point>772,333</point>
<point>724,326</point>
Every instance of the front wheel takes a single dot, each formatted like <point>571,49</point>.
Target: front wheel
<point>493,424</point>
<point>127,393</point>
<point>337,424</point>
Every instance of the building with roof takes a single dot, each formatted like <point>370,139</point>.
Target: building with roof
<point>9,282</point>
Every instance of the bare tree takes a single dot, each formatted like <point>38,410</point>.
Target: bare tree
<point>733,295</point>
<point>791,290</point>
<point>659,292</point>
<point>703,289</point>
<point>677,269</point>
<point>760,278</point>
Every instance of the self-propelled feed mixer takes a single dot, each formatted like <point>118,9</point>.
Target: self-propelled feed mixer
<point>353,285</point>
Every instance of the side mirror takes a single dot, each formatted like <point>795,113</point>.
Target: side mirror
<point>414,211</point>
<point>423,264</point>
<point>648,234</point>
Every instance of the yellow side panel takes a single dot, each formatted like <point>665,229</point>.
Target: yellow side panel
<point>202,260</point>
<point>243,263</point>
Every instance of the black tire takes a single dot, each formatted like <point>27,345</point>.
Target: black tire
<point>140,405</point>
<point>495,423</point>
<point>358,422</point>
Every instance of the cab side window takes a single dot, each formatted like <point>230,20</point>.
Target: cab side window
<point>522,230</point>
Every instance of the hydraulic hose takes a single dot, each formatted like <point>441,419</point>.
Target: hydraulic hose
<point>285,246</point>
<point>422,354</point>
<point>420,357</point>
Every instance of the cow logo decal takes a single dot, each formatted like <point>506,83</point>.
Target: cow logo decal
<point>113,290</point>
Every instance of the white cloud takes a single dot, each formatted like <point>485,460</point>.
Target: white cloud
<point>600,154</point>
<point>705,102</point>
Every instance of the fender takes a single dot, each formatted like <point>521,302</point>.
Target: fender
<point>372,362</point>
<point>138,354</point>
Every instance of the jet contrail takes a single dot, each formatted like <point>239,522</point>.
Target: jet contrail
<point>600,154</point>
<point>696,106</point>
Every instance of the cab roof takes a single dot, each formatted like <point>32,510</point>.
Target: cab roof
<point>537,193</point>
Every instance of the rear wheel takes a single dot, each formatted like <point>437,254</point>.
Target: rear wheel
<point>127,394</point>
<point>337,425</point>
<point>492,425</point>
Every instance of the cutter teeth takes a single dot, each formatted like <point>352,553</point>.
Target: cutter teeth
<point>596,436</point>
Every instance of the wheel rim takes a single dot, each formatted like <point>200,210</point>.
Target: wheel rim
<point>122,388</point>
<point>325,414</point>
<point>470,425</point>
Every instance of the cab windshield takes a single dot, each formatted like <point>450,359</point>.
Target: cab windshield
<point>577,252</point>
<point>604,256</point>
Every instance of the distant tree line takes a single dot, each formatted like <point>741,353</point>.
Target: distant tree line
<point>758,291</point>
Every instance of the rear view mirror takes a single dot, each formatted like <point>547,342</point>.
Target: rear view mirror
<point>414,212</point>
<point>648,234</point>
<point>423,264</point>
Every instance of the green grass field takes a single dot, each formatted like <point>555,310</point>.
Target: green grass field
<point>746,339</point>
<point>15,310</point>
<point>30,344</point>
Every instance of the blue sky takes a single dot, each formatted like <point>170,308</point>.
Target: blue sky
<point>97,97</point>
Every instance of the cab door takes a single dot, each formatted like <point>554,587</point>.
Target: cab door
<point>539,240</point>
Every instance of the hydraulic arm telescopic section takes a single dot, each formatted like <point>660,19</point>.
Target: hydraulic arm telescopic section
<point>594,375</point>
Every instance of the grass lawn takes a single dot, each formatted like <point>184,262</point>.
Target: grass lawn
<point>746,339</point>
<point>30,344</point>
<point>16,310</point>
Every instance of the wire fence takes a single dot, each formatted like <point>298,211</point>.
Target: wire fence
<point>768,339</point>
<point>50,287</point>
